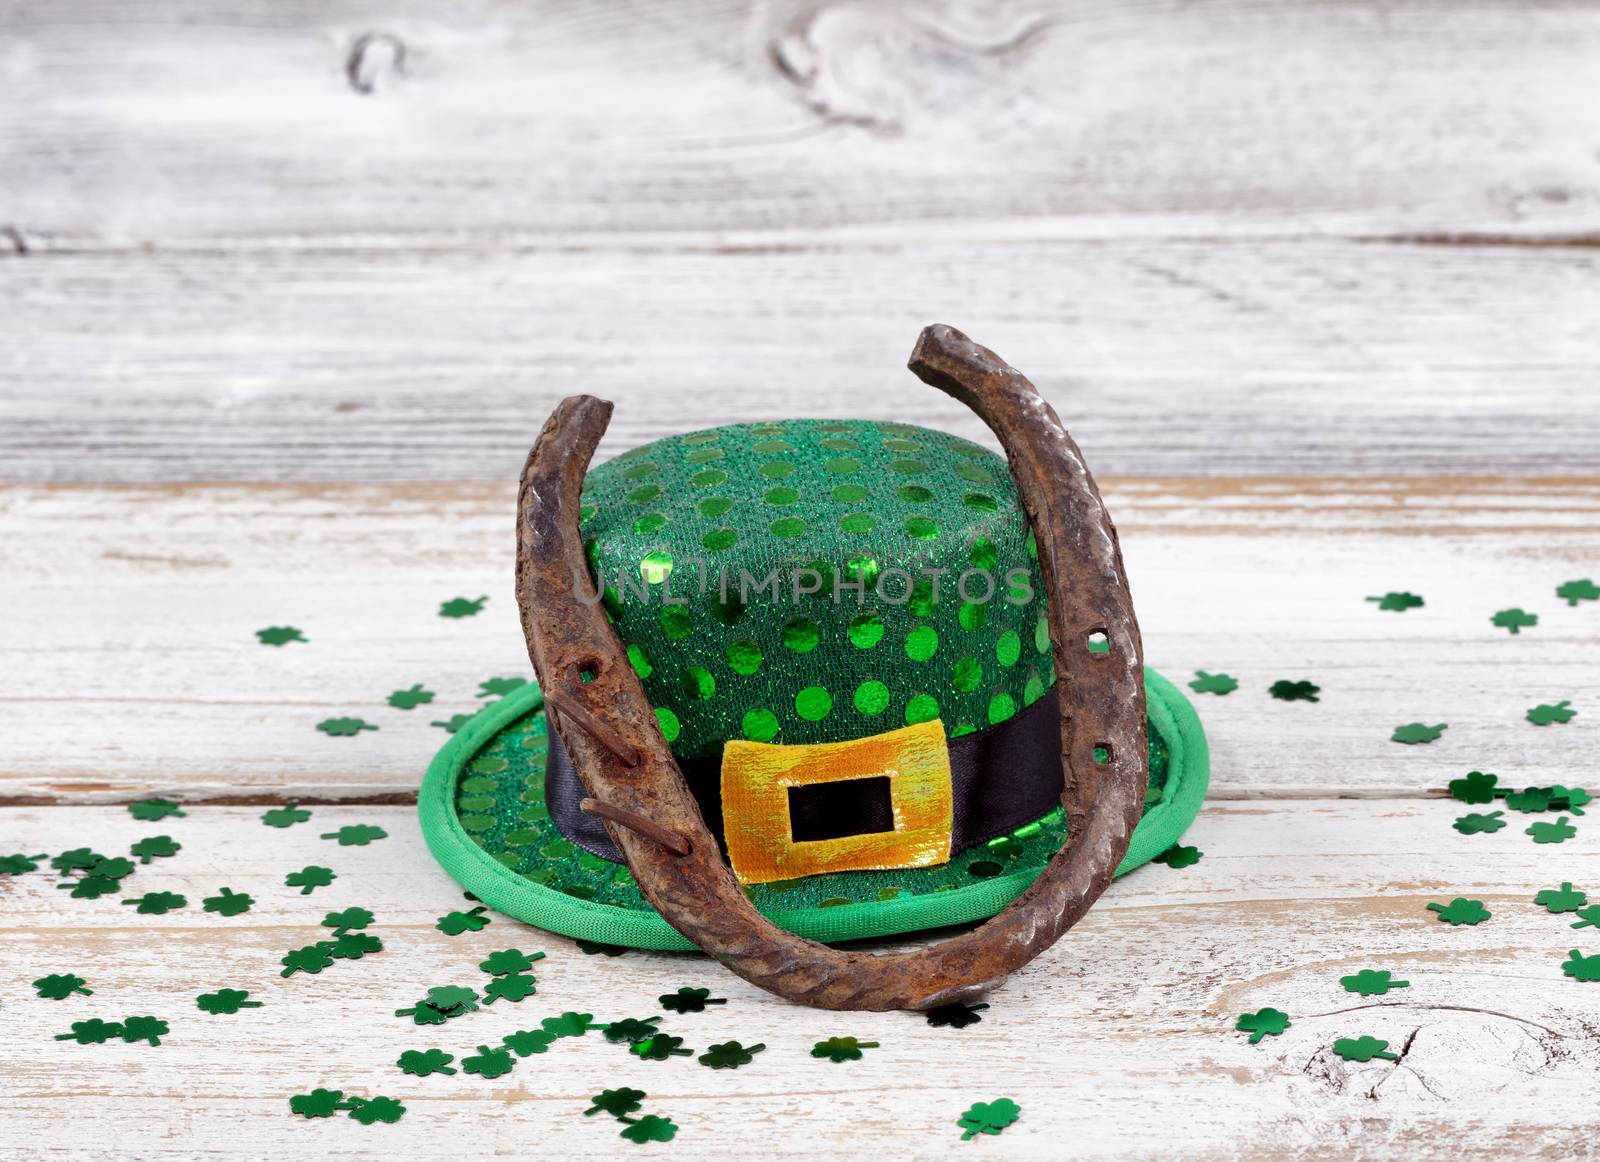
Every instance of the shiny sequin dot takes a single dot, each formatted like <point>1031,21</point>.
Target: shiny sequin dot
<point>744,657</point>
<point>710,478</point>
<point>800,634</point>
<point>676,622</point>
<point>866,630</point>
<point>972,616</point>
<point>718,539</point>
<point>1008,648</point>
<point>654,567</point>
<point>1034,690</point>
<point>872,698</point>
<point>668,721</point>
<point>921,643</point>
<point>839,444</point>
<point>789,526</point>
<point>843,465</point>
<point>649,522</point>
<point>777,469</point>
<point>640,661</point>
<point>781,495</point>
<point>644,494</point>
<point>639,471</point>
<point>984,869</point>
<point>715,505</point>
<point>760,725</point>
<point>813,703</point>
<point>771,448</point>
<point>966,675</point>
<point>1001,707</point>
<point>858,522</point>
<point>923,528</point>
<point>1041,634</point>
<point>915,494</point>
<point>983,554</point>
<point>698,683</point>
<point>921,708</point>
<point>863,569</point>
<point>703,455</point>
<point>727,609</point>
<point>980,502</point>
<point>973,473</point>
<point>908,467</point>
<point>849,493</point>
<point>901,445</point>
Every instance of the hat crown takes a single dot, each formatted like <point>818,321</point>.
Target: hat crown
<point>819,580</point>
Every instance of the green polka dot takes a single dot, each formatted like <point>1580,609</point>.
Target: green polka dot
<point>1032,545</point>
<point>863,569</point>
<point>727,610</point>
<point>557,849</point>
<point>789,526</point>
<point>901,445</point>
<point>476,802</point>
<point>777,469</point>
<point>479,786</point>
<point>710,478</point>
<point>973,473</point>
<point>800,634</point>
<point>849,493</point>
<point>702,437</point>
<point>744,657</point>
<point>972,616</point>
<point>813,703</point>
<point>858,522</point>
<point>983,555</point>
<point>1041,634</point>
<point>984,869</point>
<point>587,513</point>
<point>715,505</point>
<point>908,467</point>
<point>839,444</point>
<point>649,522</point>
<point>921,602</point>
<point>523,837</point>
<point>640,661</point>
<point>1001,707</point>
<point>655,566</point>
<point>771,448</point>
<point>718,539</point>
<point>921,643</point>
<point>1008,648</point>
<point>923,528</point>
<point>921,708</point>
<point>698,683</point>
<point>843,465</point>
<point>835,902</point>
<point>782,495</point>
<point>490,764</point>
<point>639,471</point>
<point>703,456</point>
<point>980,502</point>
<point>676,622</point>
<point>872,698</point>
<point>967,674</point>
<point>759,725</point>
<point>668,721</point>
<point>866,630</point>
<point>1034,690</point>
<point>478,823</point>
<point>644,494</point>
<point>915,494</point>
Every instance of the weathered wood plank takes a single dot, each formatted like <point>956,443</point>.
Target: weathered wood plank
<point>184,121</point>
<point>1118,1040</point>
<point>134,669</point>
<point>1175,358</point>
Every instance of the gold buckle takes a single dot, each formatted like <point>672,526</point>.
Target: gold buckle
<point>756,778</point>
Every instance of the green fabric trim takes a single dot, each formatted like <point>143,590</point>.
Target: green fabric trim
<point>504,890</point>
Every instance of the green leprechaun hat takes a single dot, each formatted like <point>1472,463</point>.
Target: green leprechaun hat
<point>842,629</point>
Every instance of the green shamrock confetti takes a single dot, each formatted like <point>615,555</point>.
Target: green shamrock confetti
<point>344,727</point>
<point>454,723</point>
<point>1558,832</point>
<point>319,1103</point>
<point>1588,917</point>
<point>1581,967</point>
<point>838,1049</point>
<point>279,635</point>
<point>308,879</point>
<point>1415,732</point>
<point>157,903</point>
<point>509,961</point>
<point>357,835</point>
<point>490,1063</point>
<point>1179,856</point>
<point>1262,1023</point>
<point>659,1048</point>
<point>1477,787</point>
<point>1363,1049</point>
<point>1515,620</point>
<point>154,810</point>
<point>516,987</point>
<point>1573,592</point>
<point>461,607</point>
<point>619,1103</point>
<point>455,923</point>
<point>442,1003</point>
<point>349,920</point>
<point>988,1117</point>
<point>19,864</point>
<point>730,1055</point>
<point>1398,602</point>
<point>1544,714</point>
<point>89,887</point>
<point>423,1062</point>
<point>313,958</point>
<point>225,1002</point>
<point>1474,823</point>
<point>1371,982</point>
<point>286,816</point>
<point>1219,684</point>
<point>378,1109</point>
<point>1288,691</point>
<point>113,869</point>
<point>91,1032</point>
<point>1568,799</point>
<point>228,902</point>
<point>77,859</point>
<point>591,948</point>
<point>59,986</point>
<point>688,1000</point>
<point>528,1041</point>
<point>568,1024</point>
<point>631,1029</point>
<point>651,1128</point>
<point>955,1015</point>
<point>1461,911</point>
<point>147,1029</point>
<point>1530,799</point>
<point>354,945</point>
<point>155,847</point>
<point>497,687</point>
<point>1566,898</point>
<point>410,699</point>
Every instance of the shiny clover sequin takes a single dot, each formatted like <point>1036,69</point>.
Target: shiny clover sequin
<point>1371,982</point>
<point>841,1049</point>
<point>1205,683</point>
<point>455,923</point>
<point>956,1015</point>
<point>1413,733</point>
<point>344,727</point>
<point>1263,1023</point>
<point>1461,911</point>
<point>225,1002</point>
<point>228,902</point>
<point>1291,691</point>
<point>1397,602</point>
<point>1566,898</point>
<point>425,1062</point>
<point>989,1117</point>
<point>458,607</point>
<point>689,1000</point>
<point>279,635</point>
<point>308,879</point>
<point>154,810</point>
<point>730,1055</point>
<point>60,986</point>
<point>1514,620</point>
<point>154,847</point>
<point>1475,787</point>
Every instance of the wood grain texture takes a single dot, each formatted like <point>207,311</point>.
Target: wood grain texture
<point>134,666</point>
<point>1164,358</point>
<point>182,122</point>
<point>1136,1007</point>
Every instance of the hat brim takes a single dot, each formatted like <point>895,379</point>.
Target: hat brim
<point>817,913</point>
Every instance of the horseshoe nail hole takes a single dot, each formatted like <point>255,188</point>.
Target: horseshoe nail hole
<point>588,670</point>
<point>1098,642</point>
<point>1102,753</point>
